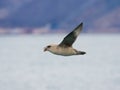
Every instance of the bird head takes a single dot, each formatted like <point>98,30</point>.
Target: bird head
<point>47,48</point>
<point>50,48</point>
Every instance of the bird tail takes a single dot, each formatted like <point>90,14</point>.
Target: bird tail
<point>81,52</point>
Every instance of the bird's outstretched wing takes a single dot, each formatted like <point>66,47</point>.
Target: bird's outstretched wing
<point>71,37</point>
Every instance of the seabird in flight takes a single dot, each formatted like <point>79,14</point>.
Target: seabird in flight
<point>65,47</point>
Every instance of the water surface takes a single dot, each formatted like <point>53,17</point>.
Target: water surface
<point>24,65</point>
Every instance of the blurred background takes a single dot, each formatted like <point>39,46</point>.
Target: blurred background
<point>27,26</point>
<point>46,16</point>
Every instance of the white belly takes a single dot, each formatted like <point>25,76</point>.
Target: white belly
<point>64,51</point>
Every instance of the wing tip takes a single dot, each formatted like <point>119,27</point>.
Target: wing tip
<point>81,24</point>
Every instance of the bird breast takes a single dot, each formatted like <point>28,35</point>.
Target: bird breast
<point>63,51</point>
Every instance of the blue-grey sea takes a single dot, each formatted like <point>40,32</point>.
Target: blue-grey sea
<point>24,65</point>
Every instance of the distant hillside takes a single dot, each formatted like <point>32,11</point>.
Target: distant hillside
<point>97,15</point>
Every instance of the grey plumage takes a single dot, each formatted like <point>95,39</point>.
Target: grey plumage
<point>65,47</point>
<point>72,36</point>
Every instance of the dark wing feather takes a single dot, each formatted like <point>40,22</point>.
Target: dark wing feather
<point>71,37</point>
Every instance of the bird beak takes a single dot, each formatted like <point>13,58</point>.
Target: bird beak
<point>45,49</point>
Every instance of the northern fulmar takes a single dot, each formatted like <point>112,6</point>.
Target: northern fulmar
<point>65,47</point>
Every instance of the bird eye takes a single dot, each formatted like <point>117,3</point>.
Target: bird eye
<point>49,46</point>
